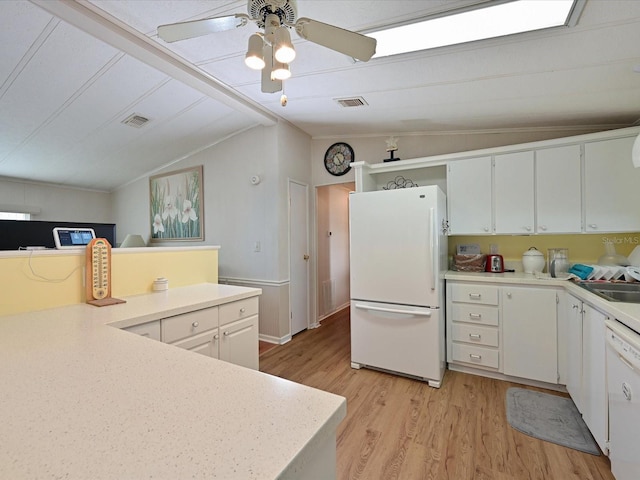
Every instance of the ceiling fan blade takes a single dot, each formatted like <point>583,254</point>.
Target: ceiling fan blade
<point>196,28</point>
<point>269,85</point>
<point>344,41</point>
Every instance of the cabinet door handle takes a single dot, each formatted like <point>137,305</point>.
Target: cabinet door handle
<point>216,336</point>
<point>475,315</point>
<point>528,229</point>
<point>486,229</point>
<point>508,294</point>
<point>242,310</point>
<point>543,227</point>
<point>475,336</point>
<point>195,324</point>
<point>473,356</point>
<point>593,225</point>
<point>475,296</point>
<point>226,334</point>
<point>574,306</point>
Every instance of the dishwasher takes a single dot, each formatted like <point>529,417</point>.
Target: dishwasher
<point>623,379</point>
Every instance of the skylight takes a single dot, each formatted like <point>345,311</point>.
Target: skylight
<point>495,20</point>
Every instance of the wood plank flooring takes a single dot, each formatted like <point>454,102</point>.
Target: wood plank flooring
<point>398,428</point>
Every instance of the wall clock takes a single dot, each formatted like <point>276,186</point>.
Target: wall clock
<point>338,159</point>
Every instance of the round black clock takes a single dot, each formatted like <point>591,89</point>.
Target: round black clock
<point>338,159</point>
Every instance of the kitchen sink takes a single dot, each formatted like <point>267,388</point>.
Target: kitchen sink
<point>615,292</point>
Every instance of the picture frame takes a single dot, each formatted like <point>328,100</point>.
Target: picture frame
<point>176,202</point>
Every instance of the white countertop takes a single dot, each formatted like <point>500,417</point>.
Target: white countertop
<point>84,400</point>
<point>627,313</point>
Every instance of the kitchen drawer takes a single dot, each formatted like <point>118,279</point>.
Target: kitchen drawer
<point>149,330</point>
<point>482,294</point>
<point>230,312</point>
<point>188,324</point>
<point>205,343</point>
<point>477,314</point>
<point>475,355</point>
<point>475,334</point>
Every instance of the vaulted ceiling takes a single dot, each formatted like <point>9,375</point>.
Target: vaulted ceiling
<point>71,72</point>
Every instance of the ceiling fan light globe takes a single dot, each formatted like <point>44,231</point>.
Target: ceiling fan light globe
<point>283,48</point>
<point>285,54</point>
<point>254,58</point>
<point>280,72</point>
<point>253,62</point>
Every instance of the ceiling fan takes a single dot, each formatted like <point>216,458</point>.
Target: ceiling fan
<point>271,51</point>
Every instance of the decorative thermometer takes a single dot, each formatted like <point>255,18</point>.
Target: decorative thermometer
<point>98,273</point>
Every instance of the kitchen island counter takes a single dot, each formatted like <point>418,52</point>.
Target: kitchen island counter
<point>81,399</point>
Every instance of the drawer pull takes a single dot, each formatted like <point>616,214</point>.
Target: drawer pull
<point>242,310</point>
<point>216,336</point>
<point>475,315</point>
<point>475,336</point>
<point>475,296</point>
<point>473,356</point>
<point>195,324</point>
<point>226,334</point>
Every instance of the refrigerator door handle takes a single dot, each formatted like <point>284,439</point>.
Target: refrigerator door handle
<point>393,310</point>
<point>432,245</point>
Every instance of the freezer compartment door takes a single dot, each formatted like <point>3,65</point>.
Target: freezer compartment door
<point>395,242</point>
<point>408,340</point>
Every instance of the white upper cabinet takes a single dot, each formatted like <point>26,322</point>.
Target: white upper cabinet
<point>558,190</point>
<point>611,187</point>
<point>513,191</point>
<point>469,196</point>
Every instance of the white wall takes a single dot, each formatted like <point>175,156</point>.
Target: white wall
<point>237,214</point>
<point>56,203</point>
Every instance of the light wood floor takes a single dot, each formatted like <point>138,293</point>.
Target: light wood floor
<point>398,428</point>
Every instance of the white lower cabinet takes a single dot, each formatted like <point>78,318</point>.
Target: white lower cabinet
<point>505,329</point>
<point>473,319</point>
<point>238,342</point>
<point>239,332</point>
<point>529,333</point>
<point>228,332</point>
<point>595,409</point>
<point>149,330</point>
<point>574,350</point>
<point>206,343</point>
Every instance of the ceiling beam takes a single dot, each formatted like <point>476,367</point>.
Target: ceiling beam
<point>99,24</point>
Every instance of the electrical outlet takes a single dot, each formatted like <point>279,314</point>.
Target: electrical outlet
<point>494,249</point>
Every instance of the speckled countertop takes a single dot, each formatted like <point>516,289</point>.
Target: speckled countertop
<point>627,313</point>
<point>81,399</point>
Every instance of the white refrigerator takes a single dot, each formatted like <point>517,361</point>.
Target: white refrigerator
<point>398,256</point>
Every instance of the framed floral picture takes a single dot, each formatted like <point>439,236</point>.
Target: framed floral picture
<point>177,205</point>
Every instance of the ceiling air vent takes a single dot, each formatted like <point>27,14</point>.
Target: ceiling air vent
<point>351,102</point>
<point>135,120</point>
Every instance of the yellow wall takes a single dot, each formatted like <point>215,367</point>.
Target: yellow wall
<point>53,279</point>
<point>585,248</point>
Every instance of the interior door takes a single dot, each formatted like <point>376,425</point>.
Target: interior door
<point>299,256</point>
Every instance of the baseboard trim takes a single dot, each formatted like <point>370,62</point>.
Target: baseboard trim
<point>274,340</point>
<point>339,309</point>
<point>506,378</point>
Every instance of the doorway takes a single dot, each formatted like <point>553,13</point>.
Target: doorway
<point>332,230</point>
